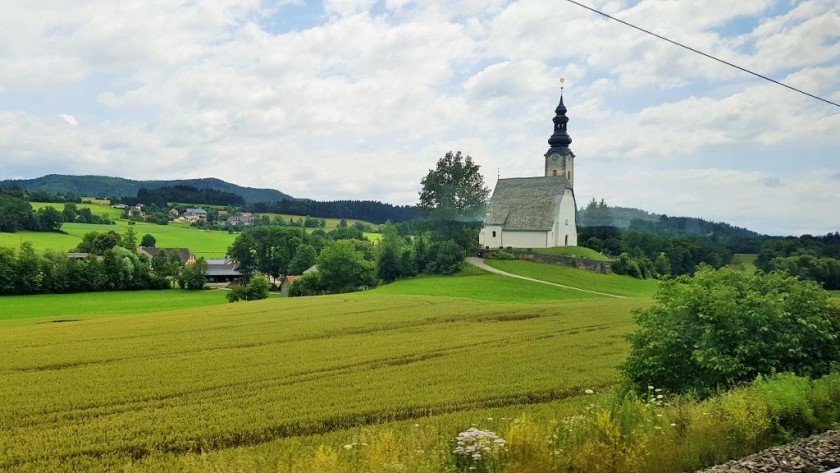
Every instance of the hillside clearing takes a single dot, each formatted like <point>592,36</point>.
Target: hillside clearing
<point>609,283</point>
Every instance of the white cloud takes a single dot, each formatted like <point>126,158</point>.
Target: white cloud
<point>70,119</point>
<point>361,98</point>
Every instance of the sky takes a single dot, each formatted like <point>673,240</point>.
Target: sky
<point>358,99</point>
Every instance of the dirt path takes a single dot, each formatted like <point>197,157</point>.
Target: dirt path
<point>479,263</point>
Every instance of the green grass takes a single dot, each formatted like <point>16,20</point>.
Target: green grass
<point>206,243</point>
<point>582,279</point>
<point>579,251</point>
<point>103,304</point>
<point>96,209</point>
<point>275,379</point>
<point>482,286</point>
<point>747,260</point>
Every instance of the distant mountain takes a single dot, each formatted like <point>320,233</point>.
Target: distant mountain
<point>104,186</point>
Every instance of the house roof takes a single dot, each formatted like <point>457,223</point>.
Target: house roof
<point>222,267</point>
<point>526,203</point>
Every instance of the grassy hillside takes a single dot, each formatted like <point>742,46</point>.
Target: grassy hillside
<point>206,243</point>
<point>608,283</point>
<point>287,378</point>
<point>96,209</point>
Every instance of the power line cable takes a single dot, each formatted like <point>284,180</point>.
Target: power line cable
<point>704,54</point>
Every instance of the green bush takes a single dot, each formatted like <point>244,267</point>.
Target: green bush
<point>256,289</point>
<point>724,327</point>
<point>504,255</point>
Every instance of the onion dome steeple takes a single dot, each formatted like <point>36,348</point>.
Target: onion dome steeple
<point>560,140</point>
<point>559,159</point>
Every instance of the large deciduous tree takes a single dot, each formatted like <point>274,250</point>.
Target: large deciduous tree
<point>269,250</point>
<point>723,327</point>
<point>453,195</point>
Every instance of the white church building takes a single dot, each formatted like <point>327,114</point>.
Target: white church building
<point>536,212</point>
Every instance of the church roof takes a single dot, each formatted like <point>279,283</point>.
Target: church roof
<point>526,203</point>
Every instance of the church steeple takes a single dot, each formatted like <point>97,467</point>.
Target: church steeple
<point>559,159</point>
<point>560,139</point>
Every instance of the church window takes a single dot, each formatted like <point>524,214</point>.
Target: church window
<point>567,241</point>
<point>494,234</point>
<point>555,172</point>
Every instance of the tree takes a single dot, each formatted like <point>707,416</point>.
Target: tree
<point>256,289</point>
<point>305,256</point>
<point>390,250</point>
<point>723,327</point>
<point>343,268</point>
<point>453,194</point>
<point>148,241</point>
<point>129,239</point>
<point>192,275</point>
<point>98,243</point>
<point>48,219</point>
<point>269,249</point>
<point>448,258</point>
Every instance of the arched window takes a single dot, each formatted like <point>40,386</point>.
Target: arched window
<point>554,172</point>
<point>566,243</point>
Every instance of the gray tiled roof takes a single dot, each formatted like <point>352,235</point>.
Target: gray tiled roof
<point>526,203</point>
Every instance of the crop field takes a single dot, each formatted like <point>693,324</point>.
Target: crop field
<point>609,283</point>
<point>267,385</point>
<point>74,307</point>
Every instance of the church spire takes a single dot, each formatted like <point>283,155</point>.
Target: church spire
<point>559,159</point>
<point>560,139</point>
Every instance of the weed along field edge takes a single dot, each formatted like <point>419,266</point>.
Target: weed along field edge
<point>284,378</point>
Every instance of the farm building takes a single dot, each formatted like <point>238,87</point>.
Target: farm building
<point>221,270</point>
<point>536,212</point>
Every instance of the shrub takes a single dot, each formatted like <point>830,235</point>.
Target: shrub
<point>724,327</point>
<point>256,289</point>
<point>504,255</point>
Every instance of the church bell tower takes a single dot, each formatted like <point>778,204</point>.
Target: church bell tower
<point>559,159</point>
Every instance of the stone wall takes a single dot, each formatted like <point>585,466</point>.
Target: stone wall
<point>604,267</point>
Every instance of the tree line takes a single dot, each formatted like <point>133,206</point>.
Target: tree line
<point>368,210</point>
<point>161,196</point>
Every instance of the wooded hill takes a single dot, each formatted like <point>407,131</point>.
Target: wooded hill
<point>106,186</point>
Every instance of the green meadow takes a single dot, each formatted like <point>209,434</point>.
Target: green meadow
<point>206,243</point>
<point>153,381</point>
<point>96,209</point>
<point>608,283</point>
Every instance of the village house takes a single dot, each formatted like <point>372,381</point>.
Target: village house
<point>193,215</point>
<point>536,212</point>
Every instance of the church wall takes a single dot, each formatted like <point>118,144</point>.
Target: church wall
<point>565,223</point>
<point>490,236</point>
<point>525,239</point>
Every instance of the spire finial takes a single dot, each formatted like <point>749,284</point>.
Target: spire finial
<point>562,80</point>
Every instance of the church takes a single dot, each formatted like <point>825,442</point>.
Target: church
<point>536,212</point>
